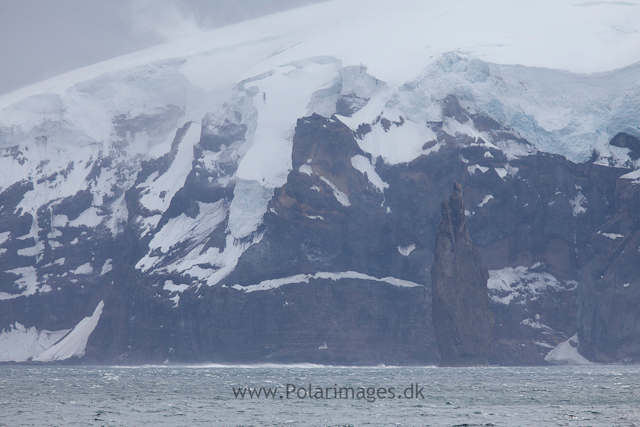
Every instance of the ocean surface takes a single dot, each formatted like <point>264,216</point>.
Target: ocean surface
<point>341,396</point>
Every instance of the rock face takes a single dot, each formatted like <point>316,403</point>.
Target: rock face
<point>295,222</point>
<point>610,283</point>
<point>308,287</point>
<point>462,318</point>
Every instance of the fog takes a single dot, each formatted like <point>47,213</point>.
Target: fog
<point>40,39</point>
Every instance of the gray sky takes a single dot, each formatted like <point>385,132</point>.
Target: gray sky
<point>44,38</point>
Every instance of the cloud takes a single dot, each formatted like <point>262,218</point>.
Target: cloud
<point>172,19</point>
<point>163,18</point>
<point>45,38</point>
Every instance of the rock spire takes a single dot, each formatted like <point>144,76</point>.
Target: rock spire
<point>462,318</point>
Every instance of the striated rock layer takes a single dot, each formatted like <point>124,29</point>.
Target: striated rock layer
<point>462,318</point>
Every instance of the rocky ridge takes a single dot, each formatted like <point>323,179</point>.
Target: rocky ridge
<point>462,319</point>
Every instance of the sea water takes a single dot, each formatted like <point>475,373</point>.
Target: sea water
<point>319,396</point>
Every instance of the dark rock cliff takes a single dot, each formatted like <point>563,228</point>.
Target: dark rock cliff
<point>559,240</point>
<point>462,318</point>
<point>609,299</point>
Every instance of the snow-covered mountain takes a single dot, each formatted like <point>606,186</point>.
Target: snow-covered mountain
<point>271,190</point>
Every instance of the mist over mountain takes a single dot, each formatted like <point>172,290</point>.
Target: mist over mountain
<point>43,39</point>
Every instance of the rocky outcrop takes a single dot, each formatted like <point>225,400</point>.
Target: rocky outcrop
<point>462,318</point>
<point>323,277</point>
<point>609,299</point>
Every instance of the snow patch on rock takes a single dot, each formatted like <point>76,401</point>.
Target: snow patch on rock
<point>485,200</point>
<point>106,267</point>
<point>306,169</point>
<point>502,172</point>
<point>174,289</point>
<point>266,285</point>
<point>633,176</point>
<point>406,250</point>
<point>83,269</point>
<point>566,353</point>
<point>75,342</point>
<point>475,168</point>
<point>578,204</point>
<point>612,236</point>
<point>520,284</point>
<point>363,164</point>
<point>4,236</point>
<point>28,281</point>
<point>88,218</point>
<point>19,344</point>
<point>339,195</point>
<point>398,144</point>
<point>158,190</point>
